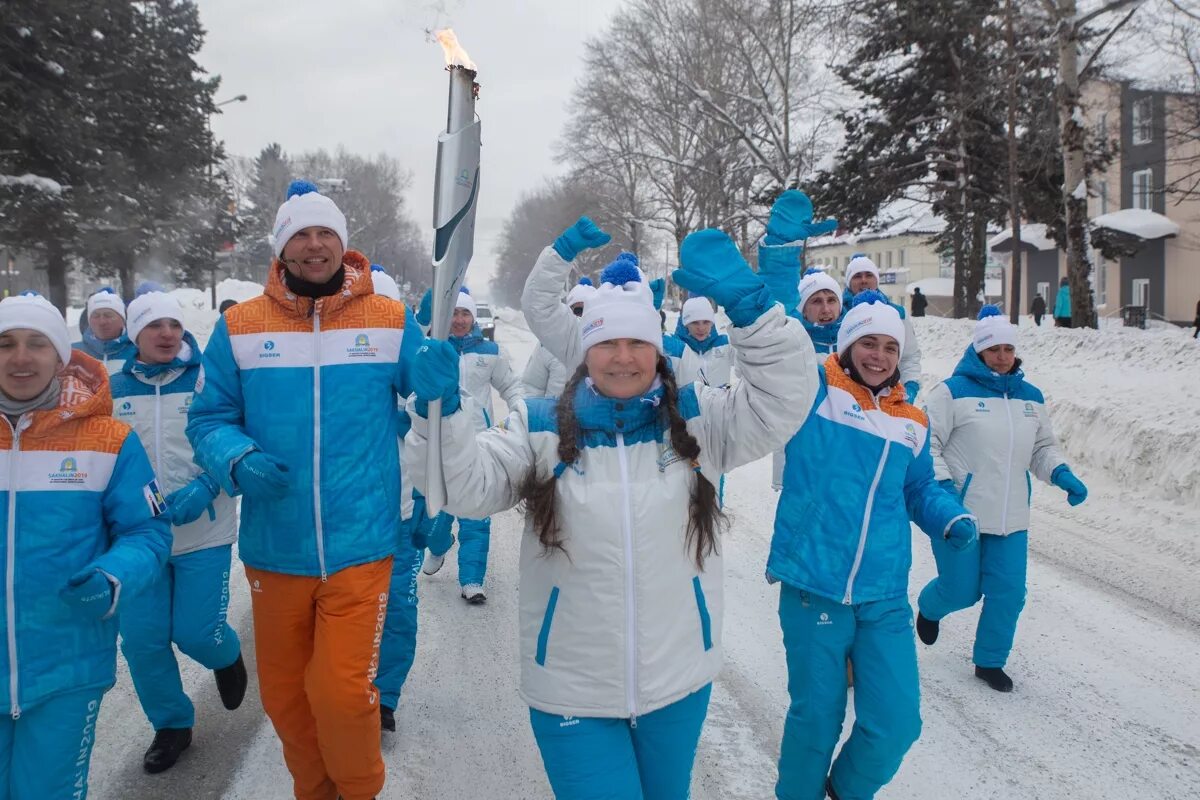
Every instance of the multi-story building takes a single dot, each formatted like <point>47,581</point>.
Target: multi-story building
<point>1148,199</point>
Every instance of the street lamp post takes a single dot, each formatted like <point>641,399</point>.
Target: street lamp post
<point>212,151</point>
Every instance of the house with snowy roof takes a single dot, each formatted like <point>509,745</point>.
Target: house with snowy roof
<point>899,242</point>
<point>1144,208</point>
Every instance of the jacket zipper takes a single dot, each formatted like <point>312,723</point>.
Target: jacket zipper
<point>317,441</point>
<point>866,523</point>
<point>630,594</point>
<point>10,571</point>
<point>158,470</point>
<point>1008,469</point>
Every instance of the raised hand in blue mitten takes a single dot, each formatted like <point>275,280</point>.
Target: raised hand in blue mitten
<point>425,309</point>
<point>710,265</point>
<point>911,390</point>
<point>88,593</point>
<point>658,289</point>
<point>792,219</point>
<point>434,376</point>
<point>1063,478</point>
<point>261,476</point>
<point>583,235</point>
<point>187,504</point>
<point>962,534</point>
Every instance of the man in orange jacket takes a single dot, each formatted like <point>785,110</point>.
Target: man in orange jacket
<point>297,411</point>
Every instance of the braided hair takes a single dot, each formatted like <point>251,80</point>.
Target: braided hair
<point>705,518</point>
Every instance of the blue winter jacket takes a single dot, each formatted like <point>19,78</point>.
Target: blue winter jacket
<point>316,385</point>
<point>857,471</point>
<point>1062,302</point>
<point>112,353</point>
<point>77,495</point>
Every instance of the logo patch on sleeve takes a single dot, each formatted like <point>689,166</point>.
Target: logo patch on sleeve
<point>154,498</point>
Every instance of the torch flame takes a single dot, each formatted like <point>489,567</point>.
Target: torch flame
<point>455,55</point>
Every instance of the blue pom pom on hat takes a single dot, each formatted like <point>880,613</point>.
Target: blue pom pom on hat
<point>299,187</point>
<point>586,281</point>
<point>870,296</point>
<point>990,310</point>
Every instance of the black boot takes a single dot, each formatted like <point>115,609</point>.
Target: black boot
<point>387,718</point>
<point>995,678</point>
<point>829,788</point>
<point>168,745</point>
<point>927,629</point>
<point>231,683</point>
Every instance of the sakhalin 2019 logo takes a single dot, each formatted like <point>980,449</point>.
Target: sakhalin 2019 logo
<point>362,348</point>
<point>68,472</point>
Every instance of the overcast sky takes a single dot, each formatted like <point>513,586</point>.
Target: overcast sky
<point>360,73</point>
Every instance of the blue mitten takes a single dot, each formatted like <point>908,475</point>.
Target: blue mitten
<point>710,265</point>
<point>583,235</point>
<point>187,504</point>
<point>261,476</point>
<point>792,219</point>
<point>948,485</point>
<point>434,375</point>
<point>1063,478</point>
<point>88,593</point>
<point>658,288</point>
<point>911,390</point>
<point>962,534</point>
<point>425,309</point>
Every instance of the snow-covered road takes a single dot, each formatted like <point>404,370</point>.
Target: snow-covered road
<point>1107,671</point>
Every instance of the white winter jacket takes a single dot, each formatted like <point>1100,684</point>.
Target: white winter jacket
<point>157,410</point>
<point>549,319</point>
<point>482,365</point>
<point>988,432</point>
<point>623,623</point>
<point>545,376</point>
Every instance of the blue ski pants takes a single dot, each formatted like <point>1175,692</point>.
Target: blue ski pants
<point>818,636</point>
<point>474,538</point>
<point>46,753</point>
<point>995,571</point>
<point>599,758</point>
<point>186,605</point>
<point>399,646</point>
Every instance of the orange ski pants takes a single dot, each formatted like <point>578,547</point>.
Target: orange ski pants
<point>317,647</point>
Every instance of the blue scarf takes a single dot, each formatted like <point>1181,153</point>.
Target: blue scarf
<point>99,348</point>
<point>466,343</point>
<point>189,356</point>
<point>696,345</point>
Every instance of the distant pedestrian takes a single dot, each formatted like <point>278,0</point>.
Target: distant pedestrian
<point>1196,322</point>
<point>1062,305</point>
<point>1038,309</point>
<point>919,302</point>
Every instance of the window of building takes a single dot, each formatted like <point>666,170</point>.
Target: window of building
<point>1141,292</point>
<point>889,259</point>
<point>1101,282</point>
<point>902,258</point>
<point>1143,187</point>
<point>1103,197</point>
<point>1102,127</point>
<point>1143,132</point>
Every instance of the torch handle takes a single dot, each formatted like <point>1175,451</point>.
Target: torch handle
<point>435,490</point>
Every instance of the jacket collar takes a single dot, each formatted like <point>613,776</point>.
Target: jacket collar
<point>714,339</point>
<point>595,412</point>
<point>887,400</point>
<point>357,282</point>
<point>85,393</point>
<point>972,366</point>
<point>189,356</point>
<point>465,343</point>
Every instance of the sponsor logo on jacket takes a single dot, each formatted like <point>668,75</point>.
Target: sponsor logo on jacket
<point>855,412</point>
<point>362,348</point>
<point>126,410</point>
<point>981,408</point>
<point>268,350</point>
<point>910,435</point>
<point>68,472</point>
<point>1030,411</point>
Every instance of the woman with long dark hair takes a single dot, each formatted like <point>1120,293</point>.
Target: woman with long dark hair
<point>621,576</point>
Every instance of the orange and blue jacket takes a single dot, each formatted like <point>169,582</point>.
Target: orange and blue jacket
<point>314,383</point>
<point>77,494</point>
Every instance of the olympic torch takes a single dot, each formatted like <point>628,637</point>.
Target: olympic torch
<point>455,197</point>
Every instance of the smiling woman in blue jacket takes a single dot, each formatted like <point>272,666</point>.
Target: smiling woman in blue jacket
<point>621,578</point>
<point>857,472</point>
<point>84,531</point>
<point>990,431</point>
<point>188,602</point>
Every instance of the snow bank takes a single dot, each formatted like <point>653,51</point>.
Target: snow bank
<point>1122,399</point>
<point>47,185</point>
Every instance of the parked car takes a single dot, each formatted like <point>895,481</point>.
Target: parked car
<point>485,320</point>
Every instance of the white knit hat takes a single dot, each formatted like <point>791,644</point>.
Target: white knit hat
<point>106,299</point>
<point>306,207</point>
<point>859,265</point>
<point>385,284</point>
<point>993,329</point>
<point>580,292</point>
<point>34,312</point>
<point>150,307</point>
<point>465,301</point>
<point>697,309</point>
<point>871,314</point>
<point>621,308</point>
<point>814,281</point>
